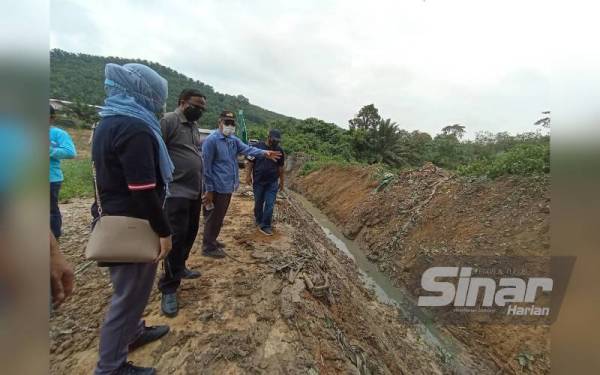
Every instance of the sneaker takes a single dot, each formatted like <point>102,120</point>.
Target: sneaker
<point>266,230</point>
<point>129,369</point>
<point>217,253</point>
<point>220,244</point>
<point>168,304</point>
<point>189,274</point>
<point>150,334</point>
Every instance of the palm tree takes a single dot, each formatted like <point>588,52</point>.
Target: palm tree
<point>387,142</point>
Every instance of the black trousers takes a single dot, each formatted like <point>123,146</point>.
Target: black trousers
<point>184,217</point>
<point>55,215</point>
<point>213,221</point>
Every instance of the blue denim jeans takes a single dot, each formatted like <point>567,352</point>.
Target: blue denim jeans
<point>264,201</point>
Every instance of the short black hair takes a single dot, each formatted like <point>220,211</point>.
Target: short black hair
<point>52,111</point>
<point>188,93</point>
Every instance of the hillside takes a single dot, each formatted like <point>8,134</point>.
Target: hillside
<point>370,139</point>
<point>79,77</point>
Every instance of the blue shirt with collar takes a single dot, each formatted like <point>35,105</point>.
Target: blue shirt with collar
<point>219,154</point>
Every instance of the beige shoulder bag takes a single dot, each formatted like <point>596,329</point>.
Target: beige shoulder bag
<point>121,239</point>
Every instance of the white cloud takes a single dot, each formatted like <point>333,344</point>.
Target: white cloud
<point>425,64</point>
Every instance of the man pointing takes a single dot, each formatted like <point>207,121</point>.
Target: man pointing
<point>221,177</point>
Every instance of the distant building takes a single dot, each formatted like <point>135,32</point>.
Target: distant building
<point>61,104</point>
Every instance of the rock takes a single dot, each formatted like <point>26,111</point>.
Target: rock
<point>206,316</point>
<point>259,254</point>
<point>373,256</point>
<point>290,296</point>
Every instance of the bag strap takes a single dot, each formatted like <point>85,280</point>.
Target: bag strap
<point>96,191</point>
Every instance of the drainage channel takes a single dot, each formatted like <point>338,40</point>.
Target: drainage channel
<point>377,281</point>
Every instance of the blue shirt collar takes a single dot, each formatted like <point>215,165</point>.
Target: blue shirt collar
<point>220,135</point>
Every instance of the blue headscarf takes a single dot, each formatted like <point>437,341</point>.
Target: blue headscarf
<point>137,91</point>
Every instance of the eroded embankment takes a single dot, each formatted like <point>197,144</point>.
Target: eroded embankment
<point>287,304</point>
<point>429,212</point>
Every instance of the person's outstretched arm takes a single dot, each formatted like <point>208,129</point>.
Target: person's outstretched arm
<point>244,149</point>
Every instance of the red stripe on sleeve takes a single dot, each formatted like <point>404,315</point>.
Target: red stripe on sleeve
<point>141,186</point>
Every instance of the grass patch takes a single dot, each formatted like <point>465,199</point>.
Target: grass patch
<point>318,162</point>
<point>78,181</point>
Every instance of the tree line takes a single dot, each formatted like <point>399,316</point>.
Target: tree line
<point>369,139</point>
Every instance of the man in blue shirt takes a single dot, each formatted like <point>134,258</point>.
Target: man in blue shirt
<point>61,147</point>
<point>221,177</point>
<point>267,178</point>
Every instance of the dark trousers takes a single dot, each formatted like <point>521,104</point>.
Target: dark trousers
<point>184,217</point>
<point>264,201</point>
<point>132,284</point>
<point>213,221</point>
<point>55,216</point>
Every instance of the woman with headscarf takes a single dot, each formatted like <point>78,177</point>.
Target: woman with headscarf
<point>133,170</point>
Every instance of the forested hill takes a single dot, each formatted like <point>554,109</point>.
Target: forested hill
<point>80,78</point>
<point>370,138</point>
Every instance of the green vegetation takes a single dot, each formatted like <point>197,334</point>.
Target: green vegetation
<point>370,139</point>
<point>318,163</point>
<point>79,78</point>
<point>325,143</point>
<point>374,140</point>
<point>523,159</point>
<point>78,179</point>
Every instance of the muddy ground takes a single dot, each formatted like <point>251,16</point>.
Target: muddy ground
<point>431,212</point>
<point>287,304</point>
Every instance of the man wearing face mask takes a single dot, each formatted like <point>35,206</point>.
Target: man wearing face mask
<point>221,177</point>
<point>180,133</point>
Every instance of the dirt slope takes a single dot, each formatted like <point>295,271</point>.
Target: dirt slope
<point>254,317</point>
<point>432,212</point>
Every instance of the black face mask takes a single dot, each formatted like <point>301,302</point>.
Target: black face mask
<point>274,143</point>
<point>193,113</point>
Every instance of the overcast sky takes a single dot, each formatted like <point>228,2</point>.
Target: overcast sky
<point>490,65</point>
